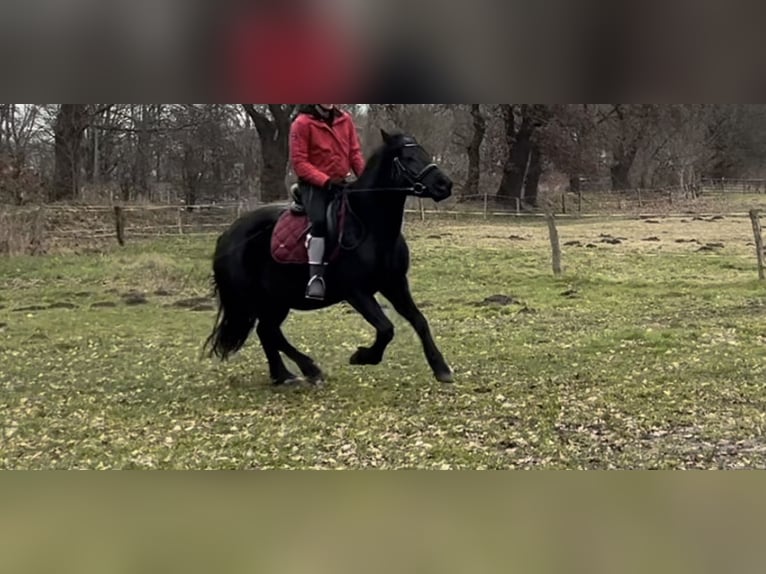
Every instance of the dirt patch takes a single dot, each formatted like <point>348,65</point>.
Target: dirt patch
<point>191,303</point>
<point>525,310</point>
<point>501,300</point>
<point>710,219</point>
<point>104,305</point>
<point>30,308</point>
<point>62,305</point>
<point>711,247</point>
<point>134,299</point>
<point>573,244</point>
<point>516,238</point>
<point>611,240</point>
<point>163,293</point>
<point>652,239</point>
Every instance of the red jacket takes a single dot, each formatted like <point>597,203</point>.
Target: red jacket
<point>321,153</point>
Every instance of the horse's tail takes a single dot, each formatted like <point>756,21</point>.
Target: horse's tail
<point>237,314</point>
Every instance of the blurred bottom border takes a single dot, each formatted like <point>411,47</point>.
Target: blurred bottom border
<point>380,522</point>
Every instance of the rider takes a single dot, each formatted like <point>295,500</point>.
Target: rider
<point>324,150</point>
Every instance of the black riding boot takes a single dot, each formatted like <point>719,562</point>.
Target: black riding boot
<point>316,286</point>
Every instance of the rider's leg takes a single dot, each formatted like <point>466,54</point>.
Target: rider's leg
<point>315,200</point>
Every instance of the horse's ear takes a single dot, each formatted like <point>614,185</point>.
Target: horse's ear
<point>387,137</point>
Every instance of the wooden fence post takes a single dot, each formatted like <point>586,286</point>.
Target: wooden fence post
<point>180,222</point>
<point>555,244</point>
<point>119,220</point>
<point>564,203</point>
<point>755,216</point>
<point>486,205</point>
<point>579,201</point>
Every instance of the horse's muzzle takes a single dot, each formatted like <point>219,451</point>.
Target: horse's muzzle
<point>442,189</point>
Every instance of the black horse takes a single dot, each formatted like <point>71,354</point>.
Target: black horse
<point>253,289</point>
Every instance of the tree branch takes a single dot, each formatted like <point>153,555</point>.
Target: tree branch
<point>262,123</point>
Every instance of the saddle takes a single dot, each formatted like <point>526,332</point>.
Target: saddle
<point>289,239</point>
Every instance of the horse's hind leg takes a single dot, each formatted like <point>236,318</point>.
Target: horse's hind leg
<point>268,334</point>
<point>305,363</point>
<point>272,327</point>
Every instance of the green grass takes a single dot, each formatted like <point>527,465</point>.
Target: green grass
<point>642,356</point>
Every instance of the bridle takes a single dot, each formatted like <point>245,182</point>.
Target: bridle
<point>400,172</point>
<point>414,179</point>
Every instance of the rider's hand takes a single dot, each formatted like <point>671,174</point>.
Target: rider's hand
<point>334,187</point>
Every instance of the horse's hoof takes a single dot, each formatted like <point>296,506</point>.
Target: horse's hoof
<point>317,381</point>
<point>446,377</point>
<point>363,356</point>
<point>286,381</point>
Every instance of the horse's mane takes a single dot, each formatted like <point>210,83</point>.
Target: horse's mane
<point>372,169</point>
<point>376,161</point>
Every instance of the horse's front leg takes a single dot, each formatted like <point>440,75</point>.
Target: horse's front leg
<point>367,306</point>
<point>398,293</point>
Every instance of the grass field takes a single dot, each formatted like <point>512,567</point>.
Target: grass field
<point>649,353</point>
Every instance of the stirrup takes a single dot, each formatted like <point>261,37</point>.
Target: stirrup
<point>316,279</point>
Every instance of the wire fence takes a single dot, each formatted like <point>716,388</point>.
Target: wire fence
<point>679,200</point>
<point>42,228</point>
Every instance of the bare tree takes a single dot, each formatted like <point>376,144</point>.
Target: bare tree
<point>19,126</point>
<point>220,150</point>
<point>473,150</point>
<point>522,124</point>
<point>272,122</point>
<point>69,128</point>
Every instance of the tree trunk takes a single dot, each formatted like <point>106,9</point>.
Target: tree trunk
<point>575,184</point>
<point>141,166</point>
<point>274,134</point>
<point>69,127</point>
<point>622,166</point>
<point>275,156</point>
<point>534,173</point>
<point>472,184</point>
<point>106,148</point>
<point>5,112</point>
<point>193,173</point>
<point>626,148</point>
<point>620,176</point>
<point>96,165</point>
<point>519,149</point>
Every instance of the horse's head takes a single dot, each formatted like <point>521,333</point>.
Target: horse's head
<point>414,168</point>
